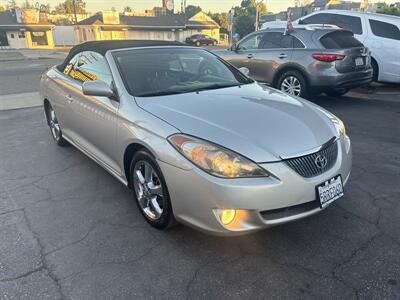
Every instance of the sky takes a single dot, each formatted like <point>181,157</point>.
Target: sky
<point>141,5</point>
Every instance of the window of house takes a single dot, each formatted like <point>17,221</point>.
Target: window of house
<point>12,35</point>
<point>385,30</point>
<point>21,35</point>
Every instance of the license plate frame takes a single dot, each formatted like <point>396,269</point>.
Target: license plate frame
<point>329,191</point>
<point>359,61</point>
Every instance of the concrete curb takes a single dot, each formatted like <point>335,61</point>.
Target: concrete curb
<point>17,101</point>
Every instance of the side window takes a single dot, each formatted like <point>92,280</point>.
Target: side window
<point>348,22</point>
<point>385,30</point>
<point>251,43</point>
<point>92,66</point>
<point>277,40</point>
<point>297,44</point>
<point>69,68</point>
<point>318,19</point>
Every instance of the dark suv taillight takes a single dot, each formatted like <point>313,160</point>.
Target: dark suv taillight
<point>328,57</point>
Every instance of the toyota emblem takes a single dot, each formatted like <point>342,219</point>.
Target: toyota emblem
<point>321,161</point>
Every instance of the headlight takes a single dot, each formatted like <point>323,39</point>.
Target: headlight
<point>340,126</point>
<point>214,159</point>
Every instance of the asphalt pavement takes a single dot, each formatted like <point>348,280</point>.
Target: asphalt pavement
<point>69,230</point>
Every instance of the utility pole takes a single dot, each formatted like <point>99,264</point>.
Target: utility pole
<point>74,8</point>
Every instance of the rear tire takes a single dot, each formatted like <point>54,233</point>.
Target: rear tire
<point>337,92</point>
<point>292,82</point>
<point>197,44</point>
<point>375,70</point>
<point>55,127</point>
<point>150,190</point>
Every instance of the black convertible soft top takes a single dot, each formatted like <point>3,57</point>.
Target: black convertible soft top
<point>103,46</point>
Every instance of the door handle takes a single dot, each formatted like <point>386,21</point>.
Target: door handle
<point>69,99</point>
<point>250,55</point>
<point>282,55</point>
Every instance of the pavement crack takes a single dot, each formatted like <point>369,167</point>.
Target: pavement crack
<point>44,262</point>
<point>23,275</point>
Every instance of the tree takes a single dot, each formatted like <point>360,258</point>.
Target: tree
<point>67,7</point>
<point>389,11</point>
<point>245,16</point>
<point>191,10</point>
<point>11,4</point>
<point>128,9</point>
<point>113,9</point>
<point>27,5</point>
<point>220,18</point>
<point>2,8</point>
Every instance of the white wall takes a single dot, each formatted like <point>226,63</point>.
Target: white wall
<point>64,36</point>
<point>15,40</point>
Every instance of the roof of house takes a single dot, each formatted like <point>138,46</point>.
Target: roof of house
<point>168,21</point>
<point>8,21</point>
<point>103,46</point>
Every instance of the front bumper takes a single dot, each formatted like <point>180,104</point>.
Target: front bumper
<point>260,202</point>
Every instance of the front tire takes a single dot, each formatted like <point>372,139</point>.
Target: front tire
<point>198,44</point>
<point>55,127</point>
<point>150,190</point>
<point>293,83</point>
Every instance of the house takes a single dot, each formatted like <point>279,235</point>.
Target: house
<point>24,29</point>
<point>170,27</point>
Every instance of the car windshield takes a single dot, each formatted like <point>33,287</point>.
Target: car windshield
<point>166,71</point>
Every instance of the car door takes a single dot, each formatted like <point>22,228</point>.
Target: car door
<point>95,118</point>
<point>274,50</point>
<point>60,91</point>
<point>244,51</point>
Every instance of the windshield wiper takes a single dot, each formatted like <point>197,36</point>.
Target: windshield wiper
<point>161,93</point>
<point>216,86</point>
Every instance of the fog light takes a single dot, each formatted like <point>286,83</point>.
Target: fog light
<point>226,215</point>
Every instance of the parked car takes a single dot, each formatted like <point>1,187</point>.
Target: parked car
<point>379,32</point>
<point>194,138</point>
<point>309,60</point>
<point>201,39</point>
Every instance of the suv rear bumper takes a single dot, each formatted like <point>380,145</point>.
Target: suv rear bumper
<point>323,82</point>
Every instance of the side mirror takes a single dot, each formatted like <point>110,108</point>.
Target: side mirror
<point>245,71</point>
<point>234,47</point>
<point>97,88</point>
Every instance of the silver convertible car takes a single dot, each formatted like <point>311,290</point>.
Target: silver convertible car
<point>196,140</point>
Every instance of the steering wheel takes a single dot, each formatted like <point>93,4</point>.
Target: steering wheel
<point>206,69</point>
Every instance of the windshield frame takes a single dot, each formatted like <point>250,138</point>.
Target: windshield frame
<point>232,68</point>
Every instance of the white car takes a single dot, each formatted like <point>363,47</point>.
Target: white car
<point>380,33</point>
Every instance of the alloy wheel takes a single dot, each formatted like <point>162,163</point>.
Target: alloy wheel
<point>54,125</point>
<point>291,85</point>
<point>148,189</point>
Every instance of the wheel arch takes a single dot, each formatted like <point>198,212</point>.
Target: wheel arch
<point>290,67</point>
<point>130,150</point>
<point>375,61</point>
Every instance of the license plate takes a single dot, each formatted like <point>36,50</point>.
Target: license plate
<point>330,191</point>
<point>359,61</point>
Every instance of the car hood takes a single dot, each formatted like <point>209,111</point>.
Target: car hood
<point>258,122</point>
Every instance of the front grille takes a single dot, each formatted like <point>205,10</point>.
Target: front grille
<point>306,165</point>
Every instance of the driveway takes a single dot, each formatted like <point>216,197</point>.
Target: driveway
<point>69,230</point>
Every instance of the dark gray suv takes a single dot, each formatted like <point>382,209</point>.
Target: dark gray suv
<point>310,60</point>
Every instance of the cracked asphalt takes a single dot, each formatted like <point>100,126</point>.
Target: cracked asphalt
<point>69,230</point>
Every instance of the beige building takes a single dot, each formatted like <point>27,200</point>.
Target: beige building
<point>114,26</point>
<point>24,29</point>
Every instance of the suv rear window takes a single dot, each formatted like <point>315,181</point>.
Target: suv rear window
<point>340,39</point>
<point>384,30</point>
